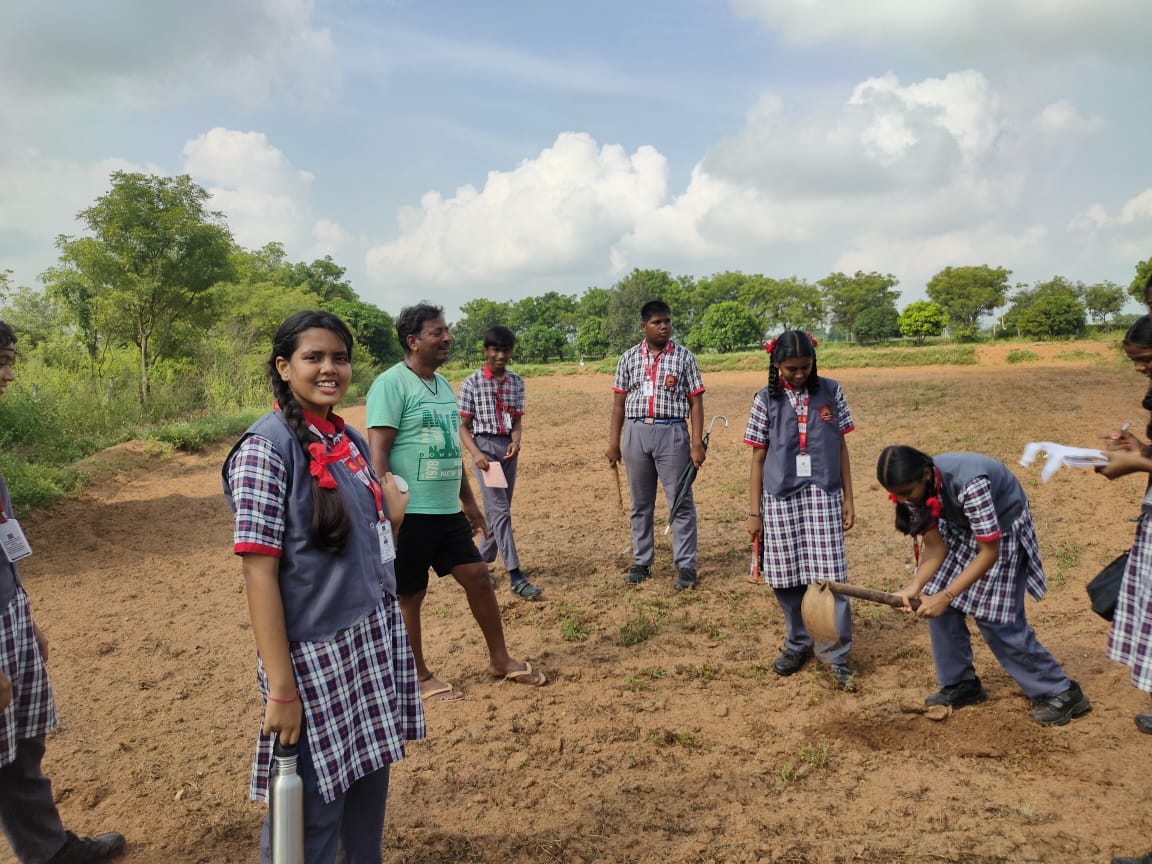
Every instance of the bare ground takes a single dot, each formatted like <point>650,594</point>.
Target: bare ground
<point>682,748</point>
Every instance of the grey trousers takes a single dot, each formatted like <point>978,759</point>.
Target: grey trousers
<point>28,813</point>
<point>651,453</point>
<point>797,637</point>
<point>1015,645</point>
<point>498,502</point>
<point>350,830</point>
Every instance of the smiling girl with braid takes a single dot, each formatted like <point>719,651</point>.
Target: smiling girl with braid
<point>313,525</point>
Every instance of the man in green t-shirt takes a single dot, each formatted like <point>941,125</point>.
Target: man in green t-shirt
<point>413,430</point>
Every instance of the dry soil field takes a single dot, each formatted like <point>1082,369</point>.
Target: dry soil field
<point>682,748</point>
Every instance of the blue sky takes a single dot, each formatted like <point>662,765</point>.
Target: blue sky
<point>452,150</point>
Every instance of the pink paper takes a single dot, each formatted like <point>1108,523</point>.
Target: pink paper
<point>494,477</point>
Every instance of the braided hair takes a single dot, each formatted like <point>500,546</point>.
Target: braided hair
<point>330,523</point>
<point>787,346</point>
<point>900,465</point>
<point>1139,335</point>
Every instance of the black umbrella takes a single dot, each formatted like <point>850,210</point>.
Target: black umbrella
<point>688,475</point>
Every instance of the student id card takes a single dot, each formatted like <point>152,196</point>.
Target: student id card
<point>804,465</point>
<point>387,547</point>
<point>13,541</point>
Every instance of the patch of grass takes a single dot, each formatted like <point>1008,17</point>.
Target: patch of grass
<point>703,672</point>
<point>572,624</point>
<point>191,436</point>
<point>1021,355</point>
<point>1067,554</point>
<point>643,679</point>
<point>674,738</point>
<point>643,625</point>
<point>35,484</point>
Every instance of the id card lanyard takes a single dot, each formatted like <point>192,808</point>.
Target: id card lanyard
<point>651,372</point>
<point>358,467</point>
<point>12,539</point>
<point>803,459</point>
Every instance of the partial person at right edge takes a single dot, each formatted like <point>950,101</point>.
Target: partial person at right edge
<point>413,424</point>
<point>492,431</point>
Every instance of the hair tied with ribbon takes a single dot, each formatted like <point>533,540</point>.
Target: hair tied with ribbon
<point>769,346</point>
<point>892,497</point>
<point>322,457</point>
<point>933,505</point>
<point>812,339</point>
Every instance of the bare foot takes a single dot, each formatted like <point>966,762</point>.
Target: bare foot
<point>433,690</point>
<point>521,673</point>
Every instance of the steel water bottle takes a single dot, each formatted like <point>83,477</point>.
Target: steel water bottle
<point>285,807</point>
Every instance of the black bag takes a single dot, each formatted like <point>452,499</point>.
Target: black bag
<point>1105,587</point>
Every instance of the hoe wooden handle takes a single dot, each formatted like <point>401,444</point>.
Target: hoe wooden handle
<point>871,594</point>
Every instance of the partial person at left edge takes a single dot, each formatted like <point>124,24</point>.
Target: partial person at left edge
<point>28,811</point>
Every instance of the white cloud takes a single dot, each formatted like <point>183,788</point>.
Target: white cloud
<point>559,212</point>
<point>1062,117</point>
<point>966,31</point>
<point>264,197</point>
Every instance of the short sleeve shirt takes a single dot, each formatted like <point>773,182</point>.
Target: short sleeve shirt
<point>426,451</point>
<point>657,385</point>
<point>490,402</point>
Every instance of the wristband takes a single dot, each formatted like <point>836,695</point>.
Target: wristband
<point>295,696</point>
<point>755,516</point>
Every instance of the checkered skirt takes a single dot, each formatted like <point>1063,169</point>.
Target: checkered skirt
<point>361,702</point>
<point>1131,639</point>
<point>803,538</point>
<point>993,596</point>
<point>32,711</point>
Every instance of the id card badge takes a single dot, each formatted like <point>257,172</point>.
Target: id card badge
<point>648,389</point>
<point>804,465</point>
<point>13,541</point>
<point>387,547</point>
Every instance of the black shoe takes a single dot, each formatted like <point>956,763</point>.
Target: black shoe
<point>845,676</point>
<point>1143,859</point>
<point>685,578</point>
<point>1144,723</point>
<point>1059,709</point>
<point>88,850</point>
<point>790,662</point>
<point>525,590</point>
<point>638,574</point>
<point>969,692</point>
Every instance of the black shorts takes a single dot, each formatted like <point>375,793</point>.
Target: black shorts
<point>439,541</point>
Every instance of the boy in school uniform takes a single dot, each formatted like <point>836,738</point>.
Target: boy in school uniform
<point>491,410</point>
<point>658,407</point>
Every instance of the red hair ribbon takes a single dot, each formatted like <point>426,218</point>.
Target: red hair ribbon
<point>322,457</point>
<point>769,345</point>
<point>933,505</point>
<point>892,497</point>
<point>811,339</point>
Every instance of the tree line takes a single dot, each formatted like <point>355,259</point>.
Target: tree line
<point>158,293</point>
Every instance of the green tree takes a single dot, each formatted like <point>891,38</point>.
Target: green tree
<point>847,297</point>
<point>34,316</point>
<point>1047,309</point>
<point>1140,281</point>
<point>551,309</point>
<point>967,293</point>
<point>593,303</point>
<point>158,250</point>
<point>728,326</point>
<point>590,339</point>
<point>324,278</point>
<point>877,324</point>
<point>373,328</point>
<point>79,285</point>
<point>1102,300</point>
<point>541,342</point>
<point>922,319</point>
<point>785,304</point>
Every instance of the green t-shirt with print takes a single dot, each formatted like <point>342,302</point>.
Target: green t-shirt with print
<point>426,451</point>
